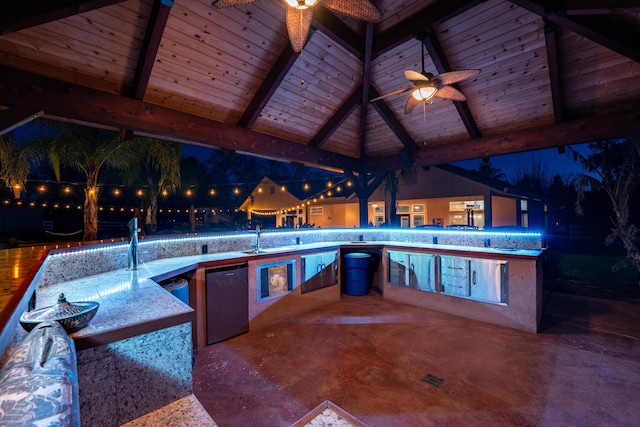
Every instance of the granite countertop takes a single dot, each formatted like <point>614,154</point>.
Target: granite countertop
<point>131,302</point>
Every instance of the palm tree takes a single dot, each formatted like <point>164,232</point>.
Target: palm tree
<point>617,166</point>
<point>89,150</point>
<point>390,183</point>
<point>158,167</point>
<point>15,163</point>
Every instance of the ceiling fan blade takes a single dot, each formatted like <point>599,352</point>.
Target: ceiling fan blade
<point>395,92</point>
<point>448,92</point>
<point>415,76</point>
<point>358,9</point>
<point>221,4</point>
<point>457,76</point>
<point>298,24</point>
<point>411,104</point>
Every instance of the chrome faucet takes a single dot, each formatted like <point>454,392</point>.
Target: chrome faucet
<point>133,245</point>
<point>256,247</point>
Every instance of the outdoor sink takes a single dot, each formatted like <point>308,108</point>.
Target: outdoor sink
<point>254,251</point>
<point>269,250</point>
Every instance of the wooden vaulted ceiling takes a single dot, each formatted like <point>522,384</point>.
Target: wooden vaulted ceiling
<point>553,74</point>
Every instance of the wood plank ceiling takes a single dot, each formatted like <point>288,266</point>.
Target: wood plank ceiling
<point>229,79</point>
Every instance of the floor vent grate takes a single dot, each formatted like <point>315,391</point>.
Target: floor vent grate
<point>433,380</point>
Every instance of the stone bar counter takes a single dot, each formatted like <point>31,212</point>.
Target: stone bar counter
<point>142,334</point>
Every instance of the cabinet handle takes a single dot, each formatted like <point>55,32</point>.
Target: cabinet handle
<point>473,277</point>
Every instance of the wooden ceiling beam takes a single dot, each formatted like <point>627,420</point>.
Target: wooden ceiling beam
<point>336,119</point>
<point>325,21</point>
<point>366,83</point>
<point>19,15</point>
<point>434,48</point>
<point>15,117</point>
<point>392,121</point>
<point>595,7</point>
<point>619,125</point>
<point>598,29</point>
<point>155,28</point>
<point>269,85</point>
<point>406,30</point>
<point>68,101</point>
<point>554,71</point>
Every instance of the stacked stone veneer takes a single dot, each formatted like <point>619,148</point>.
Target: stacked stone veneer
<point>72,263</point>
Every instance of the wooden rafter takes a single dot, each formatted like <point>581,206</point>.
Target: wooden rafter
<point>599,29</point>
<point>18,15</point>
<point>325,21</point>
<point>268,87</point>
<point>151,43</point>
<point>366,82</point>
<point>554,70</point>
<point>336,119</point>
<point>441,63</point>
<point>410,27</point>
<point>392,121</point>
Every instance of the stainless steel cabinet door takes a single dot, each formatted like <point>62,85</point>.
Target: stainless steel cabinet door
<point>489,280</point>
<point>454,276</point>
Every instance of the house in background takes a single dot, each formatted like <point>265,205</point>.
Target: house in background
<point>448,195</point>
<point>444,195</point>
<point>319,203</point>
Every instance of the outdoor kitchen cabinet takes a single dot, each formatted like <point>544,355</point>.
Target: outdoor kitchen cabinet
<point>454,276</point>
<point>475,278</point>
<point>416,270</point>
<point>488,280</point>
<point>319,271</point>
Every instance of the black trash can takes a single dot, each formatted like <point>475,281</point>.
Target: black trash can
<point>357,268</point>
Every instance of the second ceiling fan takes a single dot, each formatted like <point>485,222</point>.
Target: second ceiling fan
<point>427,85</point>
<point>300,12</point>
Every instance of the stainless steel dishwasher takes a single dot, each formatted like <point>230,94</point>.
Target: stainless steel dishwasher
<point>227,302</point>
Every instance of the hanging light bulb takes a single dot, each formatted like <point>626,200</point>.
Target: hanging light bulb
<point>301,4</point>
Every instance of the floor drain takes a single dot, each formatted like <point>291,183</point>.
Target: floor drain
<point>432,380</point>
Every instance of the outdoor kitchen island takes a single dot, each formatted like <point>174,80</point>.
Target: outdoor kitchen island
<point>146,327</point>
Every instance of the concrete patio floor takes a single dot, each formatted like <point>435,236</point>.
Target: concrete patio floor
<point>368,355</point>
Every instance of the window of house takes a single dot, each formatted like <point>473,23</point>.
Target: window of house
<point>524,205</point>
<point>273,190</point>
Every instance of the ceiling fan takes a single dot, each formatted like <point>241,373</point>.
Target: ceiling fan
<point>299,14</point>
<point>427,85</point>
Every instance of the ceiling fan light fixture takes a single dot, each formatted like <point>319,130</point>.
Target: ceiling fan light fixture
<point>301,4</point>
<point>424,93</point>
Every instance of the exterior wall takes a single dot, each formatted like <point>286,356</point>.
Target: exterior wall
<point>333,216</point>
<point>352,215</point>
<point>504,211</point>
